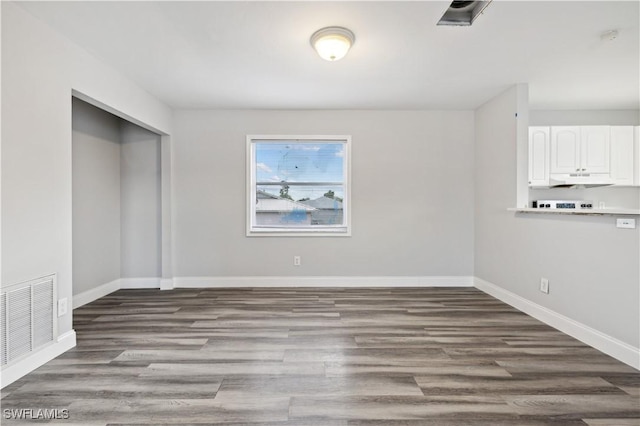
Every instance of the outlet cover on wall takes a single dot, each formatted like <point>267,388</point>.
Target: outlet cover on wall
<point>544,285</point>
<point>296,261</point>
<point>62,307</point>
<point>625,222</point>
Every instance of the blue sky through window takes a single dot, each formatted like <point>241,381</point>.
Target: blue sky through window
<point>295,162</point>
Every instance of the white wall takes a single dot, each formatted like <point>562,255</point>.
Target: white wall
<point>96,197</point>
<point>593,267</point>
<point>40,70</point>
<point>412,204</point>
<point>141,211</point>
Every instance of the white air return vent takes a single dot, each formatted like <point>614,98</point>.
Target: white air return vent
<point>3,328</point>
<point>27,318</point>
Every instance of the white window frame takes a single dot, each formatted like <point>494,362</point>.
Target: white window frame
<point>315,231</point>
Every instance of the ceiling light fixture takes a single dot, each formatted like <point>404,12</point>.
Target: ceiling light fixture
<point>332,43</point>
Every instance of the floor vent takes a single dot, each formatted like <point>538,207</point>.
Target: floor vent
<point>27,318</point>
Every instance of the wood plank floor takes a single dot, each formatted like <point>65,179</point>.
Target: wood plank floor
<point>318,356</point>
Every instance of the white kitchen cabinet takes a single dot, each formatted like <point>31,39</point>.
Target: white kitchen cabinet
<point>565,149</point>
<point>580,149</point>
<point>622,155</point>
<point>595,149</point>
<point>636,148</point>
<point>539,145</point>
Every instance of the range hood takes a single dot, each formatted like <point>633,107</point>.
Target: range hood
<point>575,180</point>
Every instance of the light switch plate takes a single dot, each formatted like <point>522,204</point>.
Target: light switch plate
<point>626,223</point>
<point>62,307</point>
<point>544,285</point>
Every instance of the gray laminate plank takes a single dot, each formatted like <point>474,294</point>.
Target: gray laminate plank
<point>583,367</point>
<point>268,344</point>
<point>77,357</point>
<point>358,331</point>
<point>173,356</point>
<point>432,367</point>
<point>461,385</point>
<point>88,370</point>
<point>269,322</point>
<point>119,387</point>
<point>427,341</point>
<point>528,353</point>
<point>366,356</point>
<point>398,408</point>
<point>325,356</point>
<point>575,406</point>
<point>157,411</point>
<point>315,386</point>
<point>249,368</point>
<point>174,316</point>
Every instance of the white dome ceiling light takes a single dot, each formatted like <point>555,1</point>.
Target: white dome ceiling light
<point>332,43</point>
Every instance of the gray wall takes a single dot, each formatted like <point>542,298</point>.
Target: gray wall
<point>141,210</point>
<point>96,197</point>
<point>412,204</point>
<point>593,267</point>
<point>116,199</point>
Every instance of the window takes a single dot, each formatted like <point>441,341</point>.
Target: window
<point>298,185</point>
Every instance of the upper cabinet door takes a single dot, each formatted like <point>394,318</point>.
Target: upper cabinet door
<point>565,149</point>
<point>622,155</point>
<point>636,148</point>
<point>594,150</point>
<point>539,145</point>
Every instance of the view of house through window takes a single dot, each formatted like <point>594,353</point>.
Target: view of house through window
<point>298,184</point>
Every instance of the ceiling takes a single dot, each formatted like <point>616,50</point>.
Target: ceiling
<point>239,54</point>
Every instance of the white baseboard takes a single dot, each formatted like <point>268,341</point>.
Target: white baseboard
<point>121,283</point>
<point>262,281</point>
<point>13,372</point>
<point>95,293</point>
<point>166,284</point>
<point>133,283</point>
<point>592,337</point>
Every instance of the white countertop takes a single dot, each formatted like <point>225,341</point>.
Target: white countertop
<point>609,211</point>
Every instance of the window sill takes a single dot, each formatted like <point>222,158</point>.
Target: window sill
<point>337,232</point>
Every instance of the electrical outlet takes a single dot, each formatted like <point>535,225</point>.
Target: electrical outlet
<point>544,285</point>
<point>62,307</point>
<point>296,261</point>
<point>626,223</point>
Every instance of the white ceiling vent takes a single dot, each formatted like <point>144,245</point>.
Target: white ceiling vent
<point>463,13</point>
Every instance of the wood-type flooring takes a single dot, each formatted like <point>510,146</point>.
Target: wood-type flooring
<point>323,356</point>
